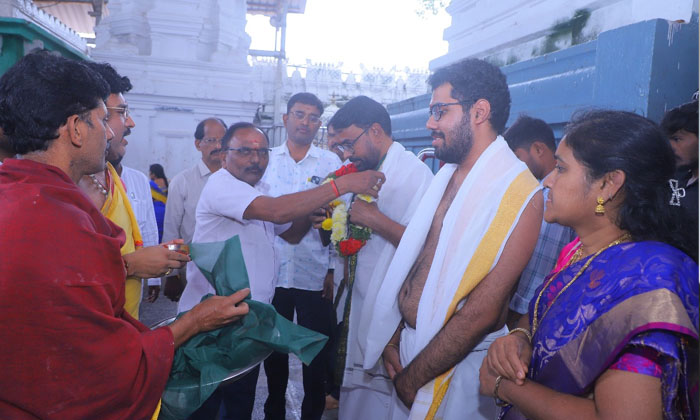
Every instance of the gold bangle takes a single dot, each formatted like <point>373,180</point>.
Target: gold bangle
<point>393,345</point>
<point>499,401</point>
<point>524,331</point>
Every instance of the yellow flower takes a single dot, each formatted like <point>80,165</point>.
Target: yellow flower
<point>327,224</point>
<point>365,197</point>
<point>339,232</point>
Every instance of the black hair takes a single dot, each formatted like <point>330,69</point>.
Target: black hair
<point>526,130</point>
<point>199,131</point>
<point>604,141</point>
<point>362,112</point>
<point>5,146</point>
<point>40,92</point>
<point>116,82</point>
<point>682,117</point>
<point>157,170</point>
<point>305,98</point>
<point>473,79</point>
<point>226,139</point>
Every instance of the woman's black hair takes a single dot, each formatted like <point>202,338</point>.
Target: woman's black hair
<point>157,170</point>
<point>605,141</point>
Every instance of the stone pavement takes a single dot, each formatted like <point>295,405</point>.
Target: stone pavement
<point>164,308</point>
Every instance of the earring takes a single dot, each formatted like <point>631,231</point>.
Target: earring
<point>599,209</point>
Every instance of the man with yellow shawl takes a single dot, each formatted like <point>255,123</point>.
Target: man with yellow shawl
<point>108,192</point>
<point>445,295</point>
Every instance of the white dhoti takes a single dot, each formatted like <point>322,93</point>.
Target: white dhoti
<point>366,393</point>
<point>462,400</point>
<point>474,232</point>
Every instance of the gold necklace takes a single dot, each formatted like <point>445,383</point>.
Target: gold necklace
<point>577,256</point>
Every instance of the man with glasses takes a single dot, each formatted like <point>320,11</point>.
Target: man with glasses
<point>128,204</point>
<point>445,295</point>
<point>363,134</point>
<point>305,280</point>
<point>333,142</point>
<point>69,349</point>
<point>236,202</point>
<point>183,194</point>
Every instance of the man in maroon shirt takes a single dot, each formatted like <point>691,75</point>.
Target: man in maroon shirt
<point>69,350</point>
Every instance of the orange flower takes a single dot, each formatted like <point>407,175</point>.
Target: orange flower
<point>350,246</point>
<point>347,169</point>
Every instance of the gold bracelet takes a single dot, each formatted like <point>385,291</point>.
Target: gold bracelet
<point>393,345</point>
<point>524,331</point>
<point>499,401</point>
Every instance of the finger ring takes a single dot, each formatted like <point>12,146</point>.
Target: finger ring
<point>169,271</point>
<point>375,188</point>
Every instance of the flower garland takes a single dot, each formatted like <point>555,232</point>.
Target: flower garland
<point>347,238</point>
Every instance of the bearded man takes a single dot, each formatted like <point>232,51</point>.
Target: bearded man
<point>445,296</point>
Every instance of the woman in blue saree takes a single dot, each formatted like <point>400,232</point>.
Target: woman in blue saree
<point>613,331</point>
<point>159,193</point>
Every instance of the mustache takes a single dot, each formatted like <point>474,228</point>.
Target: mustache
<point>437,134</point>
<point>127,132</point>
<point>253,168</point>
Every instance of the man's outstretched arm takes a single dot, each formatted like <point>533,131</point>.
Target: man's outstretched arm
<point>288,207</point>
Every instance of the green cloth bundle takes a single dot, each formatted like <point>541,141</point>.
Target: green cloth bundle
<point>208,358</point>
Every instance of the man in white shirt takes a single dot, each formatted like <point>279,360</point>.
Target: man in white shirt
<point>184,191</point>
<point>363,134</point>
<point>233,203</point>
<point>305,269</point>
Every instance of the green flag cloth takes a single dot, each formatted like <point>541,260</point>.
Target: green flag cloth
<point>205,360</point>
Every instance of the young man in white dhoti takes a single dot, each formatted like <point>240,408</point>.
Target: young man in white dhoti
<point>363,133</point>
<point>445,296</point>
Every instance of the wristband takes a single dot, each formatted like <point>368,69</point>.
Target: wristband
<point>499,401</point>
<point>335,188</point>
<point>524,331</point>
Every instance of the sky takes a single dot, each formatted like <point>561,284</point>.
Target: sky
<point>376,33</point>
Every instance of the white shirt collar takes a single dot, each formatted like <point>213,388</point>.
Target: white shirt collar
<point>313,151</point>
<point>203,168</point>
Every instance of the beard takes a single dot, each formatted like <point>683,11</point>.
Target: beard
<point>370,161</point>
<point>460,145</point>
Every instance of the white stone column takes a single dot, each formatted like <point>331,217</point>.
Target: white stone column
<point>187,60</point>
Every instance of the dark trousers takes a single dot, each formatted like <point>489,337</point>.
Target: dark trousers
<point>315,313</point>
<point>237,397</point>
<point>332,388</point>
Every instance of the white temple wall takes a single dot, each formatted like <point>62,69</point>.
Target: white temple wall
<point>508,31</point>
<point>188,60</point>
<point>185,66</point>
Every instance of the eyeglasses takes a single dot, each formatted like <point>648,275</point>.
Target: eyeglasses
<point>313,119</point>
<point>247,151</point>
<point>436,109</point>
<point>349,146</point>
<point>121,110</point>
<point>210,140</point>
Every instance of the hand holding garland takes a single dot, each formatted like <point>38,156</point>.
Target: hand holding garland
<point>347,238</point>
<point>367,215</point>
